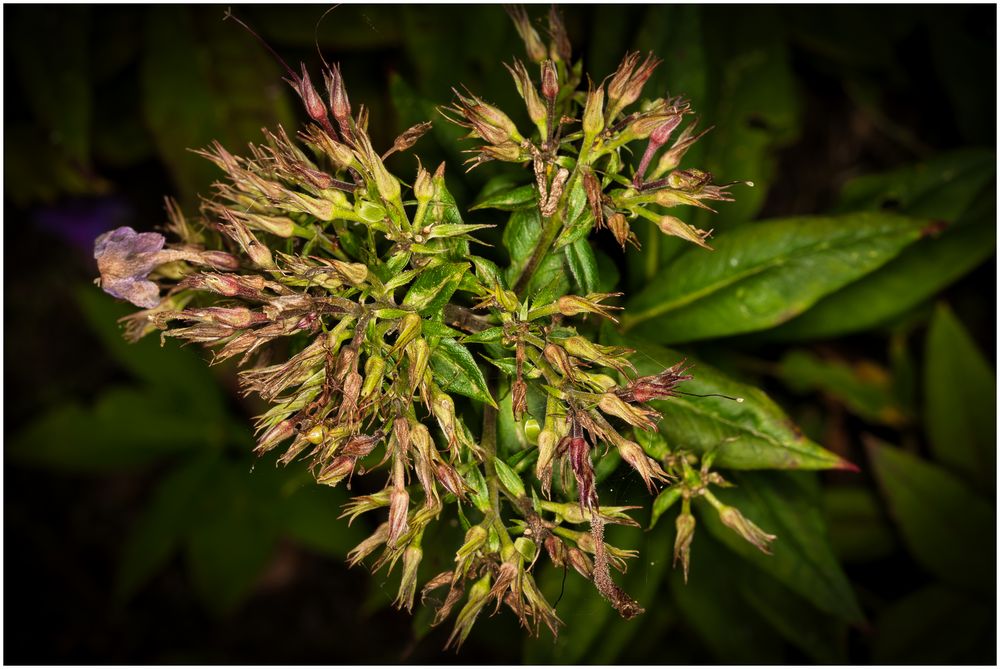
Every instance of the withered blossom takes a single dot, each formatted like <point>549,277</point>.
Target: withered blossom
<point>311,245</point>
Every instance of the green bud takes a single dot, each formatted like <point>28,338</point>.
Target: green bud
<point>374,371</point>
<point>593,113</point>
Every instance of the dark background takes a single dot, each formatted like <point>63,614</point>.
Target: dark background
<point>101,105</point>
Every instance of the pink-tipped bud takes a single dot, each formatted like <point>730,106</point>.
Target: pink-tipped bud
<point>399,504</point>
<point>340,105</point>
<point>219,260</point>
<point>550,81</point>
<point>313,103</point>
<point>682,541</point>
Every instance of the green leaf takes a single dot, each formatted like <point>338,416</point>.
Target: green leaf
<point>752,434</point>
<point>180,372</point>
<point>949,529</point>
<point>762,275</point>
<point>310,515</point>
<point>435,329</point>
<point>124,429</point>
<point>960,400</point>
<point>512,199</point>
<point>56,81</point>
<point>711,604</point>
<point>859,528</point>
<point>457,372</point>
<point>817,635</point>
<point>491,335</point>
<point>509,478</point>
<point>434,287</point>
<point>522,232</point>
<point>957,188</point>
<point>583,266</point>
<point>911,629</point>
<point>943,187</point>
<point>864,388</point>
<point>783,504</point>
<point>159,530</point>
<point>203,80</point>
<point>579,218</point>
<point>666,499</point>
<point>233,536</point>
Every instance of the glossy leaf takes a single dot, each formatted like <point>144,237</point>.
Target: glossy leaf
<point>512,199</point>
<point>865,388</point>
<point>434,287</point>
<point>163,524</point>
<point>310,514</point>
<point>858,525</point>
<point>509,478</point>
<point>457,372</point>
<point>579,218</point>
<point>752,434</point>
<point>667,498</point>
<point>911,629</point>
<point>522,232</point>
<point>710,603</point>
<point>960,400</point>
<point>957,189</point>
<point>233,536</point>
<point>204,84</point>
<point>817,635</point>
<point>583,266</point>
<point>123,429</point>
<point>762,275</point>
<point>56,80</point>
<point>785,505</point>
<point>949,529</point>
<point>179,372</point>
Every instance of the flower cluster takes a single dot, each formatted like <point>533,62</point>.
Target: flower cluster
<point>353,301</point>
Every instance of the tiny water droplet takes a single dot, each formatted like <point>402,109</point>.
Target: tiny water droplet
<point>739,399</point>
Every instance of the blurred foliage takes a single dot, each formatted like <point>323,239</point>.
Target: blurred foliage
<point>863,324</point>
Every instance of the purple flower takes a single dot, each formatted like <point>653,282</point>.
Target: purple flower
<point>125,258</point>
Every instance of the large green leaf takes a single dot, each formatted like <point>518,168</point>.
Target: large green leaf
<point>233,534</point>
<point>912,630</point>
<point>205,80</point>
<point>509,199</point>
<point>950,530</point>
<point>750,434</point>
<point>123,429</point>
<point>957,189</point>
<point>163,524</point>
<point>51,52</point>
<point>181,373</point>
<point>711,603</point>
<point>764,274</point>
<point>960,400</point>
<point>434,287</point>
<point>583,266</point>
<point>310,514</point>
<point>785,504</point>
<point>864,388</point>
<point>817,635</point>
<point>942,187</point>
<point>456,371</point>
<point>859,528</point>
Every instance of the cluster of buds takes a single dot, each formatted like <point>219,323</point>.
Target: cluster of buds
<point>353,308</point>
